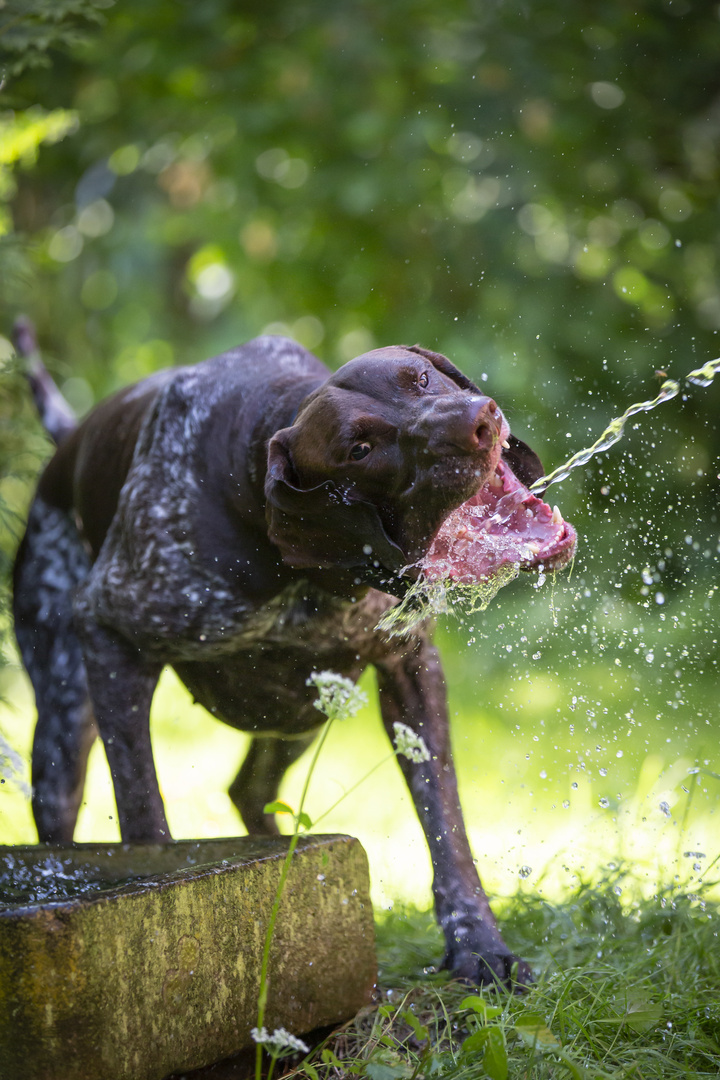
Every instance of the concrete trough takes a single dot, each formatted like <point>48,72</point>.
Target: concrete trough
<point>132,962</point>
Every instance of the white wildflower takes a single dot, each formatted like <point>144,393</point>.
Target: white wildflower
<point>409,744</point>
<point>338,697</point>
<point>280,1042</point>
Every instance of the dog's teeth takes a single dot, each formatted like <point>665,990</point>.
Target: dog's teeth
<point>557,517</point>
<point>534,547</point>
<point>506,445</point>
<point>495,481</point>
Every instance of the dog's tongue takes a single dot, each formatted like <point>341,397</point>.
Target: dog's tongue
<point>503,524</point>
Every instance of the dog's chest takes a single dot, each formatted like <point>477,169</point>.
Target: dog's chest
<point>303,616</point>
<point>261,685</point>
<point>178,610</point>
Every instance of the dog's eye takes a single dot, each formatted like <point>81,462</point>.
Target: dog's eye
<point>360,450</point>
<point>424,379</point>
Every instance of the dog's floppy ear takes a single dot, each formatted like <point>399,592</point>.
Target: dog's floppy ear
<point>523,461</point>
<point>322,526</point>
<point>446,368</point>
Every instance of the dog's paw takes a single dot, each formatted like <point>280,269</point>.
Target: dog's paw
<point>501,968</point>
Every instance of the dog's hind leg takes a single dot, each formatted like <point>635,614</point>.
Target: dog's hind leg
<point>259,778</point>
<point>51,562</point>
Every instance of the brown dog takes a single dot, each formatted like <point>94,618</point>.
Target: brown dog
<point>248,521</point>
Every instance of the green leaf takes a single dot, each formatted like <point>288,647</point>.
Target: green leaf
<point>304,820</point>
<point>475,1042</point>
<point>533,1031</point>
<point>311,1071</point>
<point>490,1041</point>
<point>438,1063</point>
<point>420,1031</point>
<point>328,1058</point>
<point>642,1016</point>
<point>480,1006</point>
<point>495,1059</point>
<point>278,807</point>
<point>376,1070</point>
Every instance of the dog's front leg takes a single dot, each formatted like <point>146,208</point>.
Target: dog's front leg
<point>121,684</point>
<point>412,692</point>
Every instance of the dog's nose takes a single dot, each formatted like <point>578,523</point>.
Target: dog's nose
<point>485,422</point>
<point>458,423</point>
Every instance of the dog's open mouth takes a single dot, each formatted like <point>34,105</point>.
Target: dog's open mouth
<point>482,545</point>
<point>503,525</point>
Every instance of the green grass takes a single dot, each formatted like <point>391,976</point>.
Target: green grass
<point>584,733</point>
<point>570,756</point>
<point>624,988</point>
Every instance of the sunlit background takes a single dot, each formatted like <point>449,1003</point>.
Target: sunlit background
<point>535,195</point>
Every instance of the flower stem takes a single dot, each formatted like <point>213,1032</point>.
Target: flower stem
<point>352,788</point>
<point>263,994</point>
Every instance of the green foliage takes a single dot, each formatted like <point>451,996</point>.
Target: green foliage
<point>29,29</point>
<point>622,991</point>
<point>531,189</point>
<point>496,182</point>
<point>21,135</point>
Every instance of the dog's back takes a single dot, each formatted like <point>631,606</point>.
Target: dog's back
<point>91,464</point>
<point>76,501</point>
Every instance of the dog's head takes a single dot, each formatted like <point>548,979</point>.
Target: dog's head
<point>379,457</point>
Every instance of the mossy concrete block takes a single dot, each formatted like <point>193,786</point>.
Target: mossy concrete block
<point>119,979</point>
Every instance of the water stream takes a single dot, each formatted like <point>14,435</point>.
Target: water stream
<point>614,431</point>
<point>426,598</point>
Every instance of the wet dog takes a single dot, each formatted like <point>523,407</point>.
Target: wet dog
<point>248,521</point>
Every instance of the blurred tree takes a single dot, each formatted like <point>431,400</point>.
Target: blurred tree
<point>28,30</point>
<point>532,190</point>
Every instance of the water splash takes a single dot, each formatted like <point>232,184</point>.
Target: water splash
<point>439,597</point>
<point>442,596</point>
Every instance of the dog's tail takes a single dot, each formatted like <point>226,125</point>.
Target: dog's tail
<point>56,415</point>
